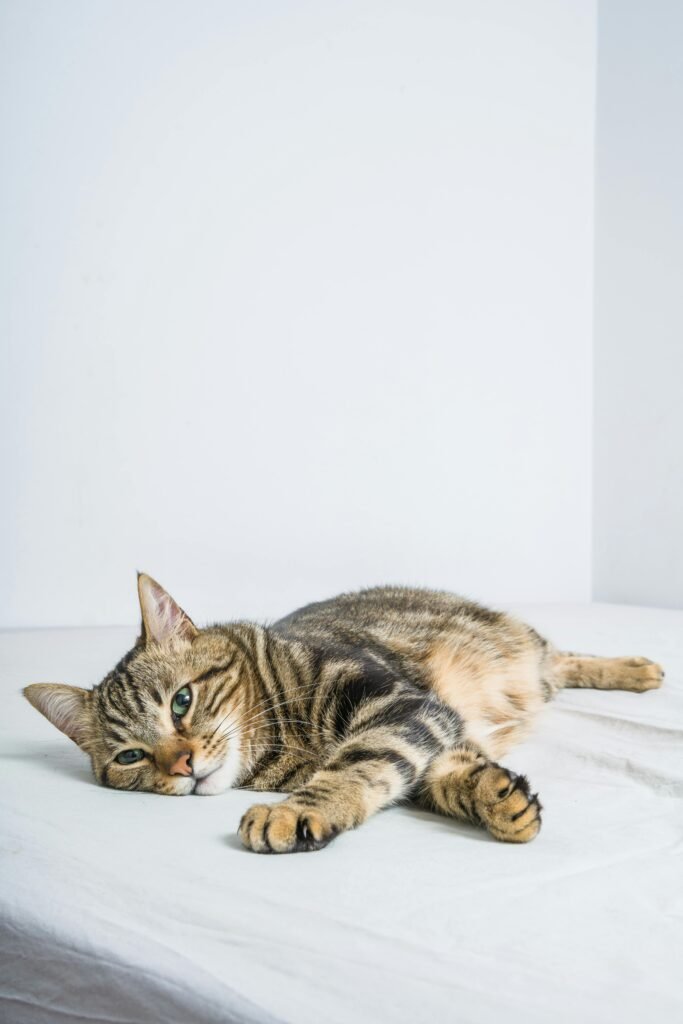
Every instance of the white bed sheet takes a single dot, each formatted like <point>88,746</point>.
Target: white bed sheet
<point>122,907</point>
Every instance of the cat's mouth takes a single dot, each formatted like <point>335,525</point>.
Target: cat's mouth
<point>221,776</point>
<point>204,777</point>
<point>217,780</point>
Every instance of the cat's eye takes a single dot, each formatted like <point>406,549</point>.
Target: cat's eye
<point>130,756</point>
<point>181,702</point>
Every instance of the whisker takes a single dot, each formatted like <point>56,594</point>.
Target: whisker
<point>267,705</point>
<point>239,727</point>
<point>296,692</point>
<point>271,707</point>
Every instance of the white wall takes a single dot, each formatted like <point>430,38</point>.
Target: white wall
<point>639,304</point>
<point>298,298</point>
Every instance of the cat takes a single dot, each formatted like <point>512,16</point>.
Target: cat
<point>348,705</point>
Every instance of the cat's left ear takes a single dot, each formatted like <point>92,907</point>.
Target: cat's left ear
<point>67,707</point>
<point>162,618</point>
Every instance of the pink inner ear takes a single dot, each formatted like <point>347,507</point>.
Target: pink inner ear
<point>162,617</point>
<point>169,613</point>
<point>64,706</point>
<point>164,607</point>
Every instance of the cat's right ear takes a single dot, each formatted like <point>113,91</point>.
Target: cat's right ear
<point>67,707</point>
<point>162,618</point>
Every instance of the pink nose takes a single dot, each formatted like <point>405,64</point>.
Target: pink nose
<point>183,766</point>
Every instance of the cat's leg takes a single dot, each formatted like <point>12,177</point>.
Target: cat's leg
<point>576,670</point>
<point>369,771</point>
<point>463,783</point>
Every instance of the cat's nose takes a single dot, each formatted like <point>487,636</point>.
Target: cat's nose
<point>183,764</point>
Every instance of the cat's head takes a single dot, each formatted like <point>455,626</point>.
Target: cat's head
<point>169,717</point>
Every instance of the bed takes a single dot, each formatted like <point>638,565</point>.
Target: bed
<point>119,907</point>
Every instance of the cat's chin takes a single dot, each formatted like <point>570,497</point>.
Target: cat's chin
<point>217,781</point>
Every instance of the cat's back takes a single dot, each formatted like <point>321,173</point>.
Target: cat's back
<point>394,614</point>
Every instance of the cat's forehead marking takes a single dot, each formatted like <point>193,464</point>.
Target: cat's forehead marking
<point>126,706</point>
<point>134,699</point>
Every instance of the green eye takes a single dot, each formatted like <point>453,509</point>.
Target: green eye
<point>181,702</point>
<point>130,756</point>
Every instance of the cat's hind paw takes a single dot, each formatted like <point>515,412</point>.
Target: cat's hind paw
<point>506,806</point>
<point>637,674</point>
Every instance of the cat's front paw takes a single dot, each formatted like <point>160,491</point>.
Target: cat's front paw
<point>283,828</point>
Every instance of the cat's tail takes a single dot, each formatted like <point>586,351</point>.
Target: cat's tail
<point>586,671</point>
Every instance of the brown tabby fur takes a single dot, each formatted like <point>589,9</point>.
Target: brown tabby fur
<point>348,705</point>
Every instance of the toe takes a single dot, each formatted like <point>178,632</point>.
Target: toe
<point>252,828</point>
<point>281,829</point>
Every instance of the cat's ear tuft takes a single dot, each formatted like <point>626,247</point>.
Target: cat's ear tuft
<point>67,707</point>
<point>162,618</point>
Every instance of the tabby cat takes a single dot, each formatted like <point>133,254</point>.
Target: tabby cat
<point>348,705</point>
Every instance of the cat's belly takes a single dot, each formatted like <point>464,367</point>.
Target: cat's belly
<point>497,697</point>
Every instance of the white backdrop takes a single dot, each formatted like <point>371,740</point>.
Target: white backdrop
<point>298,298</point>
<point>639,312</point>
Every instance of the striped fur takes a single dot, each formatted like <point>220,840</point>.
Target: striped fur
<point>348,705</point>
